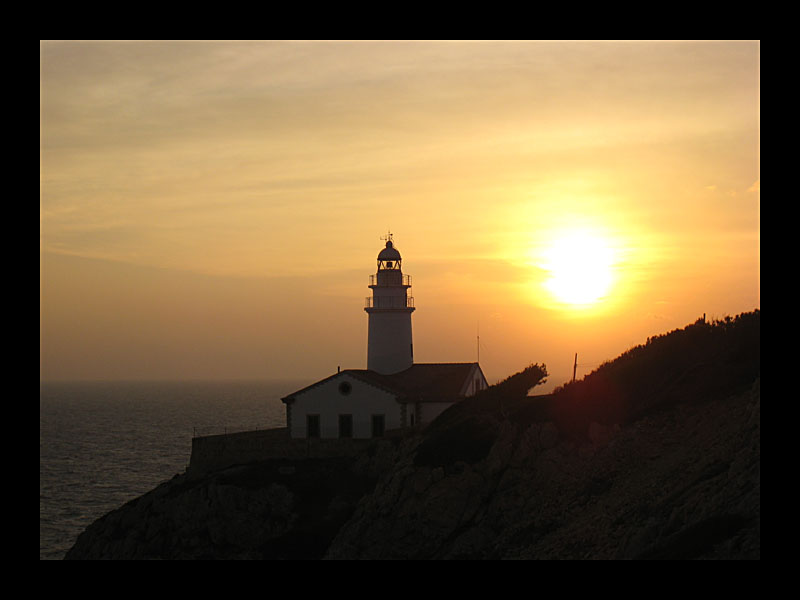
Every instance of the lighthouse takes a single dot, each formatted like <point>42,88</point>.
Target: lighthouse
<point>390,348</point>
<point>393,392</point>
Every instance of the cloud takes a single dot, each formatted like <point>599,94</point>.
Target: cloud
<point>247,145</point>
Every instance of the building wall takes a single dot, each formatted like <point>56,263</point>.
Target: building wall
<point>476,383</point>
<point>328,400</point>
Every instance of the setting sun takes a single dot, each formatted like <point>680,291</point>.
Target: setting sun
<point>578,269</point>
<point>212,209</point>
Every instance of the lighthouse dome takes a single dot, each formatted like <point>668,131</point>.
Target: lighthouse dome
<point>389,253</point>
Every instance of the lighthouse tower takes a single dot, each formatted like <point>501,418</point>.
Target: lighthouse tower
<point>389,345</point>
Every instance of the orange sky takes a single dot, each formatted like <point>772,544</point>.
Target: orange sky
<point>212,210</point>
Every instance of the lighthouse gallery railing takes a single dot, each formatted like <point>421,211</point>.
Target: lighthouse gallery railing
<point>389,302</point>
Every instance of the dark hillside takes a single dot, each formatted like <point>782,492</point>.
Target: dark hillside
<point>702,361</point>
<point>655,455</point>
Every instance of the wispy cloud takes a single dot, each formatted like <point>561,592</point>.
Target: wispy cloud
<point>226,138</point>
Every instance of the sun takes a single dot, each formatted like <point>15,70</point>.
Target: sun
<point>579,266</point>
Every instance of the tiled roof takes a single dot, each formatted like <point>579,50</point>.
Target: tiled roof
<point>432,381</point>
<point>423,382</point>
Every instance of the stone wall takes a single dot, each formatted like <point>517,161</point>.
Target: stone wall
<point>215,452</point>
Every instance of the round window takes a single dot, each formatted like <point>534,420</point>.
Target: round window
<point>345,388</point>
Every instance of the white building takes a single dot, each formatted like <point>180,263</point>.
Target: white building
<point>392,392</point>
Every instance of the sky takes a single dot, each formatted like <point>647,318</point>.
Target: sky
<point>213,209</point>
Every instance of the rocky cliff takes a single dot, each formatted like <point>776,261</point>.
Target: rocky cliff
<point>654,456</point>
<point>682,483</point>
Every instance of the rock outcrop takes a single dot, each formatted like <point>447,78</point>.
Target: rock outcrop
<point>273,509</point>
<point>683,483</point>
<point>656,456</point>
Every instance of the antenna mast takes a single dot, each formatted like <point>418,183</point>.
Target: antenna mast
<point>479,341</point>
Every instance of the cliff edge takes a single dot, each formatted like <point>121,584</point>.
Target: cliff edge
<point>656,455</point>
<point>680,484</point>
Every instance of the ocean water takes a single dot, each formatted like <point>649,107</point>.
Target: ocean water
<point>102,444</point>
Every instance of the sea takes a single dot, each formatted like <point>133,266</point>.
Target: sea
<point>102,444</point>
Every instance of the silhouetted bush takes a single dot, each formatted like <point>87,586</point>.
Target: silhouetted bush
<point>698,362</point>
<point>467,430</point>
<point>702,361</point>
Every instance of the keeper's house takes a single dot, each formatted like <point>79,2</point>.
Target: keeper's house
<point>392,392</point>
<point>360,403</point>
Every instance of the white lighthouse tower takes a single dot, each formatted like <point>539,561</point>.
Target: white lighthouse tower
<point>390,348</point>
<point>393,392</point>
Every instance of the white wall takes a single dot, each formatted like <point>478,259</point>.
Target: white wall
<point>328,402</point>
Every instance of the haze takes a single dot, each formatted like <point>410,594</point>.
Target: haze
<point>213,210</point>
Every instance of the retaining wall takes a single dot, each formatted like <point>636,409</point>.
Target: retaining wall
<point>213,452</point>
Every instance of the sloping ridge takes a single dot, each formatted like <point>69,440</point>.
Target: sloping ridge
<point>655,455</point>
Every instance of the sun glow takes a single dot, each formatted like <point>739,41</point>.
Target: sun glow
<point>579,268</point>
